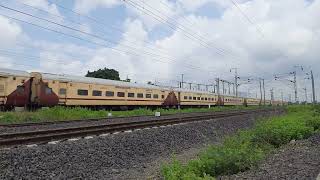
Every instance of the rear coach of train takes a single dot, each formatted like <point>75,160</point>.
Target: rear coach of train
<point>15,89</point>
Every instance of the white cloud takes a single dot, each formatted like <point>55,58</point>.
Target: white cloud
<point>6,62</point>
<point>85,6</point>
<point>42,4</point>
<point>9,32</point>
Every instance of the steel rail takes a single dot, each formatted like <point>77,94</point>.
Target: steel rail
<point>44,136</point>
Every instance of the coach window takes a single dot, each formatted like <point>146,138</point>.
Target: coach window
<point>194,98</point>
<point>48,91</point>
<point>120,94</point>
<point>148,95</point>
<point>131,95</point>
<point>190,97</point>
<point>155,96</point>
<point>62,91</point>
<point>96,93</point>
<point>198,98</point>
<point>185,97</point>
<point>82,92</point>
<point>206,99</point>
<point>140,95</point>
<point>110,93</point>
<point>202,98</point>
<point>162,96</point>
<point>20,89</point>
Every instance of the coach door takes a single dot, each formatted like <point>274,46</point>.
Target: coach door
<point>63,92</point>
<point>2,86</point>
<point>2,90</point>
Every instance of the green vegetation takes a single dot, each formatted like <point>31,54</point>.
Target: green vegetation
<point>104,74</point>
<point>65,113</point>
<point>247,148</point>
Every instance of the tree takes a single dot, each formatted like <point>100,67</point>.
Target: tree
<point>104,74</point>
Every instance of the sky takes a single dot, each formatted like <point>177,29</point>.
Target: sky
<point>158,40</point>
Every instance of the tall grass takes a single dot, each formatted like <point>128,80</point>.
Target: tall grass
<point>247,148</point>
<point>66,113</point>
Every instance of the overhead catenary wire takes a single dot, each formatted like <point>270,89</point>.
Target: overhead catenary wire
<point>200,34</point>
<point>234,2</point>
<point>77,30</point>
<point>97,21</point>
<point>82,24</point>
<point>148,45</point>
<point>31,58</point>
<point>86,33</point>
<point>99,44</point>
<point>160,19</point>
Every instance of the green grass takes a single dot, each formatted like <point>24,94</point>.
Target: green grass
<point>247,148</point>
<point>64,113</point>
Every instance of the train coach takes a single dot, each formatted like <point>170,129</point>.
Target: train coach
<point>35,89</point>
<point>84,91</point>
<point>14,88</point>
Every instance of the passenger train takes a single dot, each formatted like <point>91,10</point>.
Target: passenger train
<point>36,89</point>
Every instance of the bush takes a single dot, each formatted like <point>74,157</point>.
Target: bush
<point>279,131</point>
<point>245,149</point>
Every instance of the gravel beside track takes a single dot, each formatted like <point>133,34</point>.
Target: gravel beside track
<point>5,129</point>
<point>133,155</point>
<point>298,160</point>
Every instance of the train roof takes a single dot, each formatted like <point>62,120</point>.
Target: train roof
<point>193,91</point>
<point>80,79</point>
<point>11,72</point>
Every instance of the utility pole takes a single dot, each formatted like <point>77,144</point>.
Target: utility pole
<point>282,98</point>
<point>290,98</point>
<point>313,90</point>
<point>198,87</point>
<point>223,90</point>
<point>190,86</point>
<point>264,93</point>
<point>229,87</point>
<point>260,91</point>
<point>295,86</point>
<point>271,94</point>
<point>305,93</point>
<point>182,80</point>
<point>234,91</point>
<point>218,86</point>
<point>236,77</point>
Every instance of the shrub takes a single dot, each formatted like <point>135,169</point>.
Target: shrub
<point>245,149</point>
<point>279,131</point>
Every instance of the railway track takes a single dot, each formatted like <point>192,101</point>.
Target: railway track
<point>45,136</point>
<point>94,119</point>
